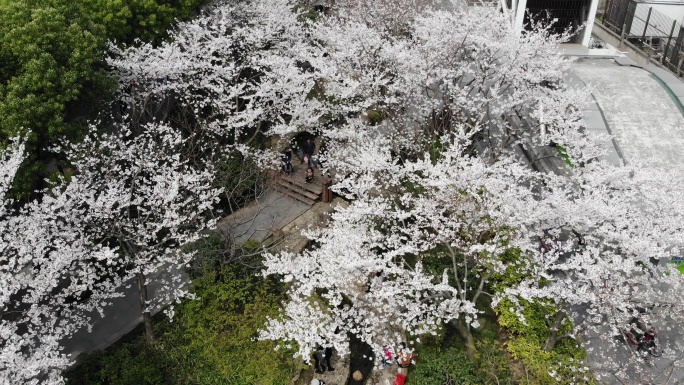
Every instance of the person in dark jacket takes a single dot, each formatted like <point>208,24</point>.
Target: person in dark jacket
<point>309,148</point>
<point>326,359</point>
<point>309,175</point>
<point>319,357</point>
<point>286,160</point>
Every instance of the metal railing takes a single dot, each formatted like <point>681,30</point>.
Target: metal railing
<point>657,35</point>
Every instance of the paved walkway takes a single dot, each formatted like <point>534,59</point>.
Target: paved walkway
<point>258,220</point>
<point>641,108</point>
<point>638,111</point>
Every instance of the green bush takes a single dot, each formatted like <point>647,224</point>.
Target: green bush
<point>442,360</point>
<point>241,181</point>
<point>492,363</point>
<point>376,117</point>
<point>53,76</point>
<point>436,366</point>
<point>210,340</point>
<point>132,363</point>
<point>549,367</point>
<point>516,271</point>
<point>563,364</point>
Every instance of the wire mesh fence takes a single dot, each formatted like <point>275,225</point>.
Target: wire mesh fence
<point>655,33</point>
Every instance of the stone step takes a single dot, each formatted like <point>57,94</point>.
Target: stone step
<point>297,179</point>
<point>298,189</point>
<point>296,194</point>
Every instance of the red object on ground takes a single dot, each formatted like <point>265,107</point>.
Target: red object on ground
<point>400,380</point>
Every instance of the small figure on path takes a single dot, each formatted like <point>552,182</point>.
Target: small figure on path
<point>309,148</point>
<point>286,160</point>
<point>326,359</point>
<point>386,357</point>
<point>309,175</point>
<point>316,381</point>
<point>404,358</point>
<point>319,357</point>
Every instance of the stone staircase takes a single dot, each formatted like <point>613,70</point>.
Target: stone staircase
<point>295,187</point>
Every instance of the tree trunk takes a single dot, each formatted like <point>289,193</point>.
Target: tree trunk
<point>147,316</point>
<point>467,335</point>
<point>553,336</point>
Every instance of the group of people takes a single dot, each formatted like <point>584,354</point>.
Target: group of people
<point>322,358</point>
<point>401,355</point>
<point>307,158</point>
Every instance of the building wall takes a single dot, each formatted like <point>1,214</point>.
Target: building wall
<point>566,13</point>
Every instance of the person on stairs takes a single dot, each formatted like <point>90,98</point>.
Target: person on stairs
<point>286,160</point>
<point>319,357</point>
<point>326,359</point>
<point>309,175</point>
<point>309,148</point>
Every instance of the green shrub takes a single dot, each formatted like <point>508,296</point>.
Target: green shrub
<point>516,270</point>
<point>492,363</point>
<point>53,74</point>
<point>436,366</point>
<point>132,363</point>
<point>549,367</point>
<point>210,340</point>
<point>376,117</point>
<point>564,154</point>
<point>562,364</point>
<point>241,181</point>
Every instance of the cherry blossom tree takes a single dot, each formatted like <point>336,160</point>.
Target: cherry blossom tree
<point>604,250</point>
<point>52,279</point>
<point>443,70</point>
<point>453,78</point>
<point>142,196</point>
<point>232,69</point>
<point>448,211</point>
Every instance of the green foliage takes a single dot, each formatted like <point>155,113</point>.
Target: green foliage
<point>516,271</point>
<point>26,177</point>
<point>307,12</point>
<point>241,181</point>
<point>53,76</point>
<point>527,340</point>
<point>564,154</point>
<point>220,326</point>
<point>438,366</point>
<point>376,117</point>
<point>435,150</point>
<point>413,188</point>
<point>147,20</point>
<point>132,363</point>
<point>442,359</point>
<point>534,326</point>
<point>213,251</point>
<point>549,367</point>
<point>210,340</point>
<point>492,363</point>
<point>208,255</point>
<point>436,260</point>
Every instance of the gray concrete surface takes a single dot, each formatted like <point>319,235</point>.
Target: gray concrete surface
<point>267,214</point>
<point>645,121</point>
<point>631,104</point>
<point>119,319</point>
<point>258,220</point>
